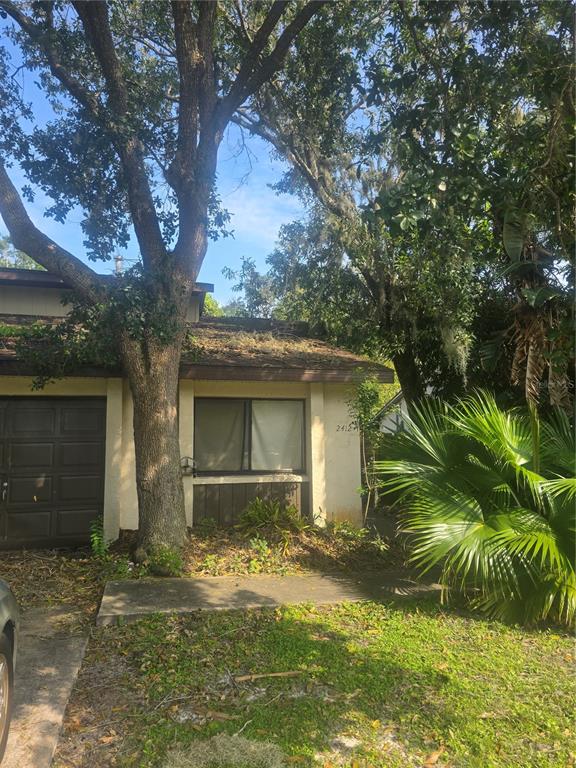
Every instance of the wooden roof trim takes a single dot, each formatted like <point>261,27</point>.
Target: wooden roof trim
<point>272,373</point>
<point>13,367</point>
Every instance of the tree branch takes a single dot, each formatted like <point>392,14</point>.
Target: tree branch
<point>196,168</point>
<point>42,38</point>
<point>256,47</point>
<point>242,20</point>
<point>28,238</point>
<point>94,17</point>
<point>208,92</point>
<point>288,148</point>
<point>248,82</point>
<point>214,116</point>
<point>187,55</point>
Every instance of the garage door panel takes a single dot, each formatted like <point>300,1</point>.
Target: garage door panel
<point>84,421</point>
<point>75,522</point>
<point>80,488</point>
<point>30,490</point>
<point>32,421</point>
<point>52,456</point>
<point>78,454</point>
<point>28,525</point>
<point>28,455</point>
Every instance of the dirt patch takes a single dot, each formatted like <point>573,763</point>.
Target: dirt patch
<point>46,578</point>
<point>103,706</point>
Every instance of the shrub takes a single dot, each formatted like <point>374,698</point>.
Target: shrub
<point>226,751</point>
<point>488,495</point>
<point>165,561</point>
<point>270,515</point>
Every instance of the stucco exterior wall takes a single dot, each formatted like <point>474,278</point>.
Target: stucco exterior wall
<point>47,302</point>
<point>342,448</point>
<point>77,386</point>
<point>24,300</point>
<point>332,446</point>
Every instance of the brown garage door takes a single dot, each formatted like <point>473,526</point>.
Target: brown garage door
<point>51,469</point>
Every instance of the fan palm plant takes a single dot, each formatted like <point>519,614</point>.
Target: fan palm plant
<point>488,495</point>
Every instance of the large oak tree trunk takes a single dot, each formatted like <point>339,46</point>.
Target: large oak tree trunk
<point>153,372</point>
<point>408,376</point>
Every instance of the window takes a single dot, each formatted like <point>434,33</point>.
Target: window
<point>248,435</point>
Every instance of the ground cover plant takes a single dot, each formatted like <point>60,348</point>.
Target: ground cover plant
<point>352,686</point>
<point>488,496</point>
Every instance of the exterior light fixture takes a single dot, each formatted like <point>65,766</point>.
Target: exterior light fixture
<point>188,465</point>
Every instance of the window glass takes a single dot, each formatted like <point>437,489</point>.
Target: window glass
<point>277,429</point>
<point>219,435</point>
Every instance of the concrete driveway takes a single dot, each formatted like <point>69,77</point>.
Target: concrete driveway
<point>49,658</point>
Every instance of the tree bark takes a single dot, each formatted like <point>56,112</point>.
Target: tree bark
<point>152,372</point>
<point>408,376</point>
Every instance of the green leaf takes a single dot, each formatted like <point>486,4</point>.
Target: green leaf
<point>536,297</point>
<point>513,233</point>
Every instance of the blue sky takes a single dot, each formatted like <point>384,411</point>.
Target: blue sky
<point>243,185</point>
<point>257,213</point>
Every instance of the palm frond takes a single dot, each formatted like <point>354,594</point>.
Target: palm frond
<point>480,502</point>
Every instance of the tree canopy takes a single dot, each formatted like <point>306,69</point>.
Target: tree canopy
<point>439,175</point>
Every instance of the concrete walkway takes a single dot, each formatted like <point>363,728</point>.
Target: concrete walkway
<point>48,662</point>
<point>125,601</point>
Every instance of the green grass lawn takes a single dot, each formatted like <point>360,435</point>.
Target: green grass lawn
<point>377,686</point>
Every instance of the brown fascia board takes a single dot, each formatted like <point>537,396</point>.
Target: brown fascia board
<point>12,367</point>
<point>208,372</point>
<point>36,278</point>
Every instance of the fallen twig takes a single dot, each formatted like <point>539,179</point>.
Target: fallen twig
<point>249,678</point>
<point>244,726</point>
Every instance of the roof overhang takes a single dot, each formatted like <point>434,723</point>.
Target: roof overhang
<point>13,367</point>
<point>36,278</point>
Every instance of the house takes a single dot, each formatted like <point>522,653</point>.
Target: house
<point>391,418</point>
<point>263,412</point>
<point>392,415</point>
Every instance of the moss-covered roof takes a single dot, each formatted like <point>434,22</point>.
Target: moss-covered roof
<point>243,349</point>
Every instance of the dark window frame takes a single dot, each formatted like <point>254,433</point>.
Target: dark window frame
<point>247,445</point>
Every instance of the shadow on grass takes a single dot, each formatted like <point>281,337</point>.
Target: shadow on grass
<point>385,685</point>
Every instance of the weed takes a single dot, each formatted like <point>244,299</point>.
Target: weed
<point>98,541</point>
<point>348,531</point>
<point>165,561</point>
<point>260,546</point>
<point>212,564</point>
<point>401,681</point>
<point>118,568</point>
